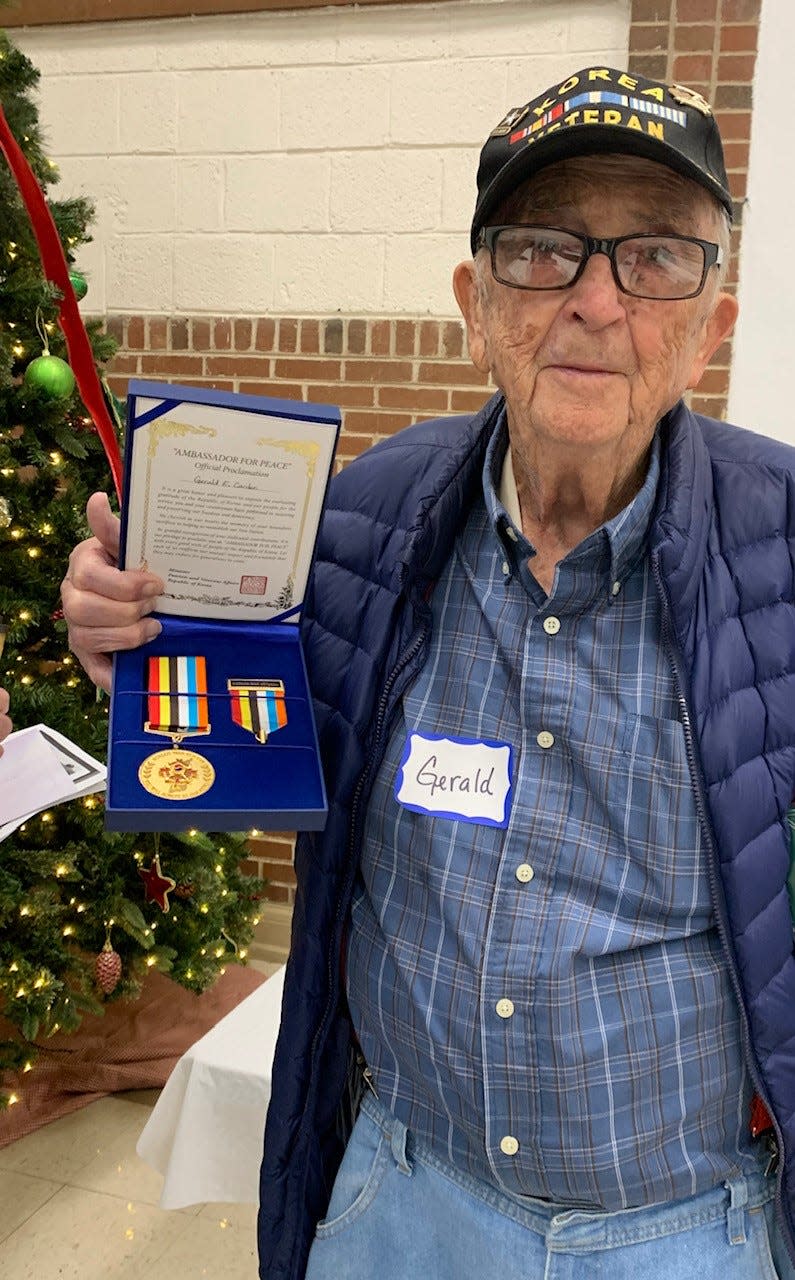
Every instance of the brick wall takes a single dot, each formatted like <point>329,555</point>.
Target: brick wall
<point>384,373</point>
<point>711,46</point>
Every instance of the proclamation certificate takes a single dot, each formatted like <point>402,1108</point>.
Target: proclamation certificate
<point>224,503</point>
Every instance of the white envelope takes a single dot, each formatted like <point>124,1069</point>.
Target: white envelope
<point>40,767</point>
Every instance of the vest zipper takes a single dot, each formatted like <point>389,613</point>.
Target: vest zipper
<point>408,655</point>
<point>374,760</point>
<point>333,957</point>
<point>721,918</point>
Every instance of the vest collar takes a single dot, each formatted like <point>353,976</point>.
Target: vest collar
<point>441,508</point>
<point>681,521</point>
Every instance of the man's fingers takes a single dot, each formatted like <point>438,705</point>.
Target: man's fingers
<point>5,701</point>
<point>92,570</point>
<point>103,524</point>
<point>90,641</point>
<point>93,564</point>
<point>95,609</point>
<point>106,607</point>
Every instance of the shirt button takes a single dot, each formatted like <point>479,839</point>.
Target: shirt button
<point>508,1145</point>
<point>545,739</point>
<point>524,872</point>
<point>505,1008</point>
<point>510,532</point>
<point>506,568</point>
<point>616,587</point>
<point>552,626</point>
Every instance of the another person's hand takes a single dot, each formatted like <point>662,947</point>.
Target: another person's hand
<point>5,720</point>
<point>106,607</point>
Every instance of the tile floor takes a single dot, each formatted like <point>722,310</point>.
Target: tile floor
<point>78,1203</point>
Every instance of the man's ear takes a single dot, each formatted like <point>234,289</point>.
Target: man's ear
<point>467,295</point>
<point>717,326</point>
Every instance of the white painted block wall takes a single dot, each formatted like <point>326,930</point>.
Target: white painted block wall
<point>295,163</point>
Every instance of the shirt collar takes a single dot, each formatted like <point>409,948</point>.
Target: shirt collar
<point>613,549</point>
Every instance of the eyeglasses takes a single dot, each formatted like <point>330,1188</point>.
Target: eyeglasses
<point>644,266</point>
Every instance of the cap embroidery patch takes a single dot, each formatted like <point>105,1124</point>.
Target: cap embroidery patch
<point>689,98</point>
<point>569,113</point>
<point>509,121</point>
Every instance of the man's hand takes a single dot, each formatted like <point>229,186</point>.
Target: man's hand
<point>5,720</point>
<point>105,607</point>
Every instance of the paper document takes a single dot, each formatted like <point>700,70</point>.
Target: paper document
<point>223,504</point>
<point>39,767</point>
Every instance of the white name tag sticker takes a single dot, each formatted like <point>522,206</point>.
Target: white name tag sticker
<point>463,778</point>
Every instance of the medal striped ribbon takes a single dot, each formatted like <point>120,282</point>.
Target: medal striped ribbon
<point>258,705</point>
<point>177,701</point>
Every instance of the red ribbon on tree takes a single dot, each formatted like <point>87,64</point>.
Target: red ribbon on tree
<point>56,269</point>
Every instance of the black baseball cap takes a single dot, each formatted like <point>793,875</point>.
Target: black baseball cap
<point>600,110</point>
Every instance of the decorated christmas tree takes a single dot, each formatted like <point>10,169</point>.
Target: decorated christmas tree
<point>83,914</point>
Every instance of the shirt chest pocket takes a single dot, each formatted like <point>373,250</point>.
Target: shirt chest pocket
<point>650,782</point>
<point>651,738</point>
<point>651,811</point>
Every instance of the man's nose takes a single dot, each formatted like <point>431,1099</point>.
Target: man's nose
<point>596,298</point>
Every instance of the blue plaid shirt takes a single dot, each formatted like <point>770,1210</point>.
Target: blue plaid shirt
<point>546,1004</point>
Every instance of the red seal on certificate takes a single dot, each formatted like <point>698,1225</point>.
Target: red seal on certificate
<point>252,585</point>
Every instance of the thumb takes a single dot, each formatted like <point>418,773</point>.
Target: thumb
<point>103,524</point>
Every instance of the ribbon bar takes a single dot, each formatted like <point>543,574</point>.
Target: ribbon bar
<point>177,701</point>
<point>258,705</point>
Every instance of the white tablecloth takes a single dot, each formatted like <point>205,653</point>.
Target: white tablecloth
<point>205,1132</point>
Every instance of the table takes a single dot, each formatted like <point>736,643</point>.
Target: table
<point>205,1131</point>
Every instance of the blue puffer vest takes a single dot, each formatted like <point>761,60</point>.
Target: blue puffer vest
<point>723,552</point>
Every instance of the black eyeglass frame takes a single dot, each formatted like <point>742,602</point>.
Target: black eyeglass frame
<point>487,236</point>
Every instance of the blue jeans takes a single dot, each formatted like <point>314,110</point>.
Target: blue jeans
<point>398,1212</point>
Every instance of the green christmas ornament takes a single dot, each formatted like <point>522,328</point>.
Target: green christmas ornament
<point>79,284</point>
<point>51,376</point>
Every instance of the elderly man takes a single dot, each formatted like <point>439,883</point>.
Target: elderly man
<point>542,954</point>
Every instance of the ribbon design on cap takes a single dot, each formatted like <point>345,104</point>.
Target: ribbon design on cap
<point>597,96</point>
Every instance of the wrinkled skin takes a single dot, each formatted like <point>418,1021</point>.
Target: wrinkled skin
<point>588,371</point>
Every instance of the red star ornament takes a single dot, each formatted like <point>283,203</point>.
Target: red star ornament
<point>157,887</point>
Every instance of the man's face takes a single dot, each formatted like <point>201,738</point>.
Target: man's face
<point>589,365</point>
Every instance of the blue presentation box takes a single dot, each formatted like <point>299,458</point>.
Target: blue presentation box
<point>211,723</point>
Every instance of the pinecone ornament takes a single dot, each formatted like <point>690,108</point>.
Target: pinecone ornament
<point>185,890</point>
<point>108,969</point>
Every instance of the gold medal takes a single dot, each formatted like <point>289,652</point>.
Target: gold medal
<point>176,774</point>
<point>177,707</point>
